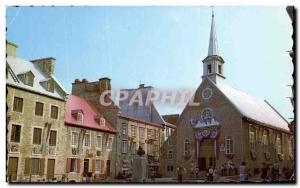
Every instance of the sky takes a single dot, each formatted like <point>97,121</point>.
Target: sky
<point>160,46</point>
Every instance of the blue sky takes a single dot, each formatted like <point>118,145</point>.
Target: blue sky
<point>160,46</point>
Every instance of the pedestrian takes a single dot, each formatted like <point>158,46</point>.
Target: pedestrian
<point>179,174</point>
<point>222,169</point>
<point>197,172</point>
<point>269,173</point>
<point>210,174</point>
<point>243,172</point>
<point>264,172</point>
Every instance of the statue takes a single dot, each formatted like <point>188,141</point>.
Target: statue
<point>139,166</point>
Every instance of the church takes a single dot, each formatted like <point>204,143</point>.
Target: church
<point>228,126</point>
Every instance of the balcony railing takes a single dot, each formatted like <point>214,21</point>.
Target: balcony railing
<point>37,150</point>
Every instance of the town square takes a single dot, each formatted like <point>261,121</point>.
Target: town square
<point>100,94</point>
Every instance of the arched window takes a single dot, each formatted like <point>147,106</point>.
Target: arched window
<point>229,145</point>
<point>207,114</point>
<point>187,147</point>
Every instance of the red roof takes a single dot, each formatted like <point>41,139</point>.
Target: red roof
<point>141,121</point>
<point>79,104</point>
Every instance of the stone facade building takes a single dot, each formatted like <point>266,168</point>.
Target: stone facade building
<point>90,140</point>
<point>133,133</point>
<point>35,119</point>
<point>228,127</point>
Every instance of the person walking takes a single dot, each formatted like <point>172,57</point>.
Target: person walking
<point>243,172</point>
<point>179,174</point>
<point>210,174</point>
<point>264,172</point>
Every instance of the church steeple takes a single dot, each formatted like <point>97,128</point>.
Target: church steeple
<point>213,45</point>
<point>213,63</point>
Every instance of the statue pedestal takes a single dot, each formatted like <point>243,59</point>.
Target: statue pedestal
<point>139,169</point>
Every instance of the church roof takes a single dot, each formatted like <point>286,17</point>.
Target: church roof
<point>253,108</point>
<point>213,45</point>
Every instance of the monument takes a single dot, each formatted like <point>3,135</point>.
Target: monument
<point>140,166</point>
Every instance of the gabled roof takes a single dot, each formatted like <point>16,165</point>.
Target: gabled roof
<point>21,66</point>
<point>145,112</point>
<point>75,103</point>
<point>253,108</point>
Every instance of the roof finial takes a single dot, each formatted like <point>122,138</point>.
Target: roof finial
<point>212,11</point>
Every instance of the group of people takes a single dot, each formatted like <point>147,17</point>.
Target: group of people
<point>268,172</point>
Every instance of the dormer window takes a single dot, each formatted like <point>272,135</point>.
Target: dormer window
<point>80,117</point>
<point>27,78</point>
<point>50,86</point>
<point>102,121</point>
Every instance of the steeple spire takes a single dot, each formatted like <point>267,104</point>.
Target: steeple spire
<point>213,45</point>
<point>213,63</point>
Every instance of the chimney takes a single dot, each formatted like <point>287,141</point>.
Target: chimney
<point>46,65</point>
<point>11,49</point>
<point>141,85</point>
<point>104,84</point>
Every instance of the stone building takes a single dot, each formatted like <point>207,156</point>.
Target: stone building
<point>134,132</point>
<point>229,126</point>
<point>35,119</point>
<point>122,116</point>
<point>90,140</point>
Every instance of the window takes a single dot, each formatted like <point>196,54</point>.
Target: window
<point>28,79</point>
<point>156,134</point>
<point>73,165</point>
<point>50,86</point>
<point>278,144</point>
<point>265,138</point>
<point>99,142</point>
<point>133,131</point>
<point>124,129</point>
<point>170,154</point>
<point>187,147</point>
<point>208,69</point>
<point>52,139</point>
<point>149,133</point>
<point>133,149</point>
<point>252,140</point>
<point>124,146</point>
<point>97,168</point>
<point>206,93</point>
<point>39,109</point>
<point>220,69</point>
<point>18,104</point>
<point>102,121</point>
<point>291,152</point>
<point>207,114</point>
<point>54,112</point>
<point>35,166</point>
<point>229,145</point>
<point>37,136</point>
<point>167,132</point>
<point>74,138</point>
<point>15,133</point>
<point>170,142</point>
<point>80,117</point>
<point>87,140</point>
<point>142,132</point>
<point>109,143</point>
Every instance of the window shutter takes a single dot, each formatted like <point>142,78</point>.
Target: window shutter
<point>68,165</point>
<point>78,165</point>
<point>102,166</point>
<point>42,166</point>
<point>93,165</point>
<point>27,166</point>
